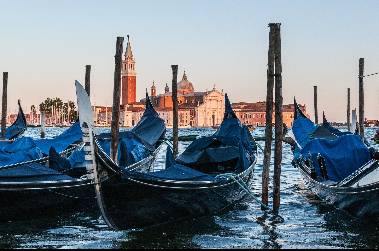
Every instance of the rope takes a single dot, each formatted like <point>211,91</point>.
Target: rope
<point>369,74</point>
<point>243,185</point>
<point>71,196</point>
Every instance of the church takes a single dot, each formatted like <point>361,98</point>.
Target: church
<point>196,109</point>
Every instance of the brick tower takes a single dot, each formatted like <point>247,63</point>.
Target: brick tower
<point>129,77</point>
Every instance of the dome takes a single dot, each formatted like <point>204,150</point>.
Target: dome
<point>185,86</point>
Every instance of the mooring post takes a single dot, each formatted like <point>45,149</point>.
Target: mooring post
<point>278,119</point>
<point>269,111</point>
<point>175,108</point>
<point>4,105</point>
<point>88,79</point>
<point>315,103</point>
<point>354,122</point>
<point>348,110</point>
<point>116,99</point>
<point>42,122</point>
<point>361,99</point>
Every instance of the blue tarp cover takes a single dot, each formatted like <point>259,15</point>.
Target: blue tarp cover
<point>302,129</point>
<point>231,143</point>
<point>31,172</point>
<point>22,149</point>
<point>72,135</point>
<point>26,148</point>
<point>342,156</point>
<point>151,127</point>
<point>130,149</point>
<point>173,171</point>
<point>343,152</point>
<point>225,144</point>
<point>140,141</point>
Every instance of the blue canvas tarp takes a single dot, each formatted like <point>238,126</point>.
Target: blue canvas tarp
<point>61,142</point>
<point>151,128</point>
<point>332,129</point>
<point>302,129</point>
<point>342,156</point>
<point>31,172</point>
<point>22,149</point>
<point>224,145</point>
<point>139,142</point>
<point>341,152</point>
<point>27,149</point>
<point>173,171</point>
<point>130,149</point>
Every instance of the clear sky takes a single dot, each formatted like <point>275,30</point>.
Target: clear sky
<point>45,45</point>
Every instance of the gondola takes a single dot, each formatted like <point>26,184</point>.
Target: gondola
<point>337,166</point>
<point>34,181</point>
<point>210,176</point>
<point>37,179</point>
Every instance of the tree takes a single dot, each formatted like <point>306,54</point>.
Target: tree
<point>66,111</point>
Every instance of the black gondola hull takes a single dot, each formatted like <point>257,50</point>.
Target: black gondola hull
<point>137,203</point>
<point>22,201</point>
<point>358,201</point>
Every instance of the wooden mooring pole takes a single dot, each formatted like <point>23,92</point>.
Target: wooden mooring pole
<point>354,122</point>
<point>348,110</point>
<point>278,119</point>
<point>315,103</point>
<point>88,80</point>
<point>361,98</point>
<point>269,111</point>
<point>42,118</point>
<point>175,108</point>
<point>116,99</point>
<point>4,105</point>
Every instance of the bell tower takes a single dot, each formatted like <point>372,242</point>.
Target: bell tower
<point>129,77</point>
<point>153,90</point>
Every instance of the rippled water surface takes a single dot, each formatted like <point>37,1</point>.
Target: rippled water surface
<point>308,223</point>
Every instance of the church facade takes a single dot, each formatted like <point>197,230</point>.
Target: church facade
<point>196,109</point>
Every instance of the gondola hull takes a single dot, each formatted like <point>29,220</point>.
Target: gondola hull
<point>135,202</point>
<point>360,201</point>
<point>20,201</point>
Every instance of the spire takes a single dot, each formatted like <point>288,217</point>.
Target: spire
<point>184,76</point>
<point>128,52</point>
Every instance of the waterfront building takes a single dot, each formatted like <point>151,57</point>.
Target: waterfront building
<point>195,109</point>
<point>254,114</point>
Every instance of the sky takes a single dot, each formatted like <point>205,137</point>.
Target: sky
<point>45,45</point>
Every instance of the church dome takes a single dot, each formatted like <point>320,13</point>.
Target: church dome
<point>185,86</point>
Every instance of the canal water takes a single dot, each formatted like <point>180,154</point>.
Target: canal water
<point>307,221</point>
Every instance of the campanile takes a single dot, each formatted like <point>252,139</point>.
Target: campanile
<point>129,77</point>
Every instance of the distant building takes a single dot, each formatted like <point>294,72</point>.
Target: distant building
<point>254,114</point>
<point>128,77</point>
<point>371,122</point>
<point>196,109</point>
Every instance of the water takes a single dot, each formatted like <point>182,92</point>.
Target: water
<point>308,222</point>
